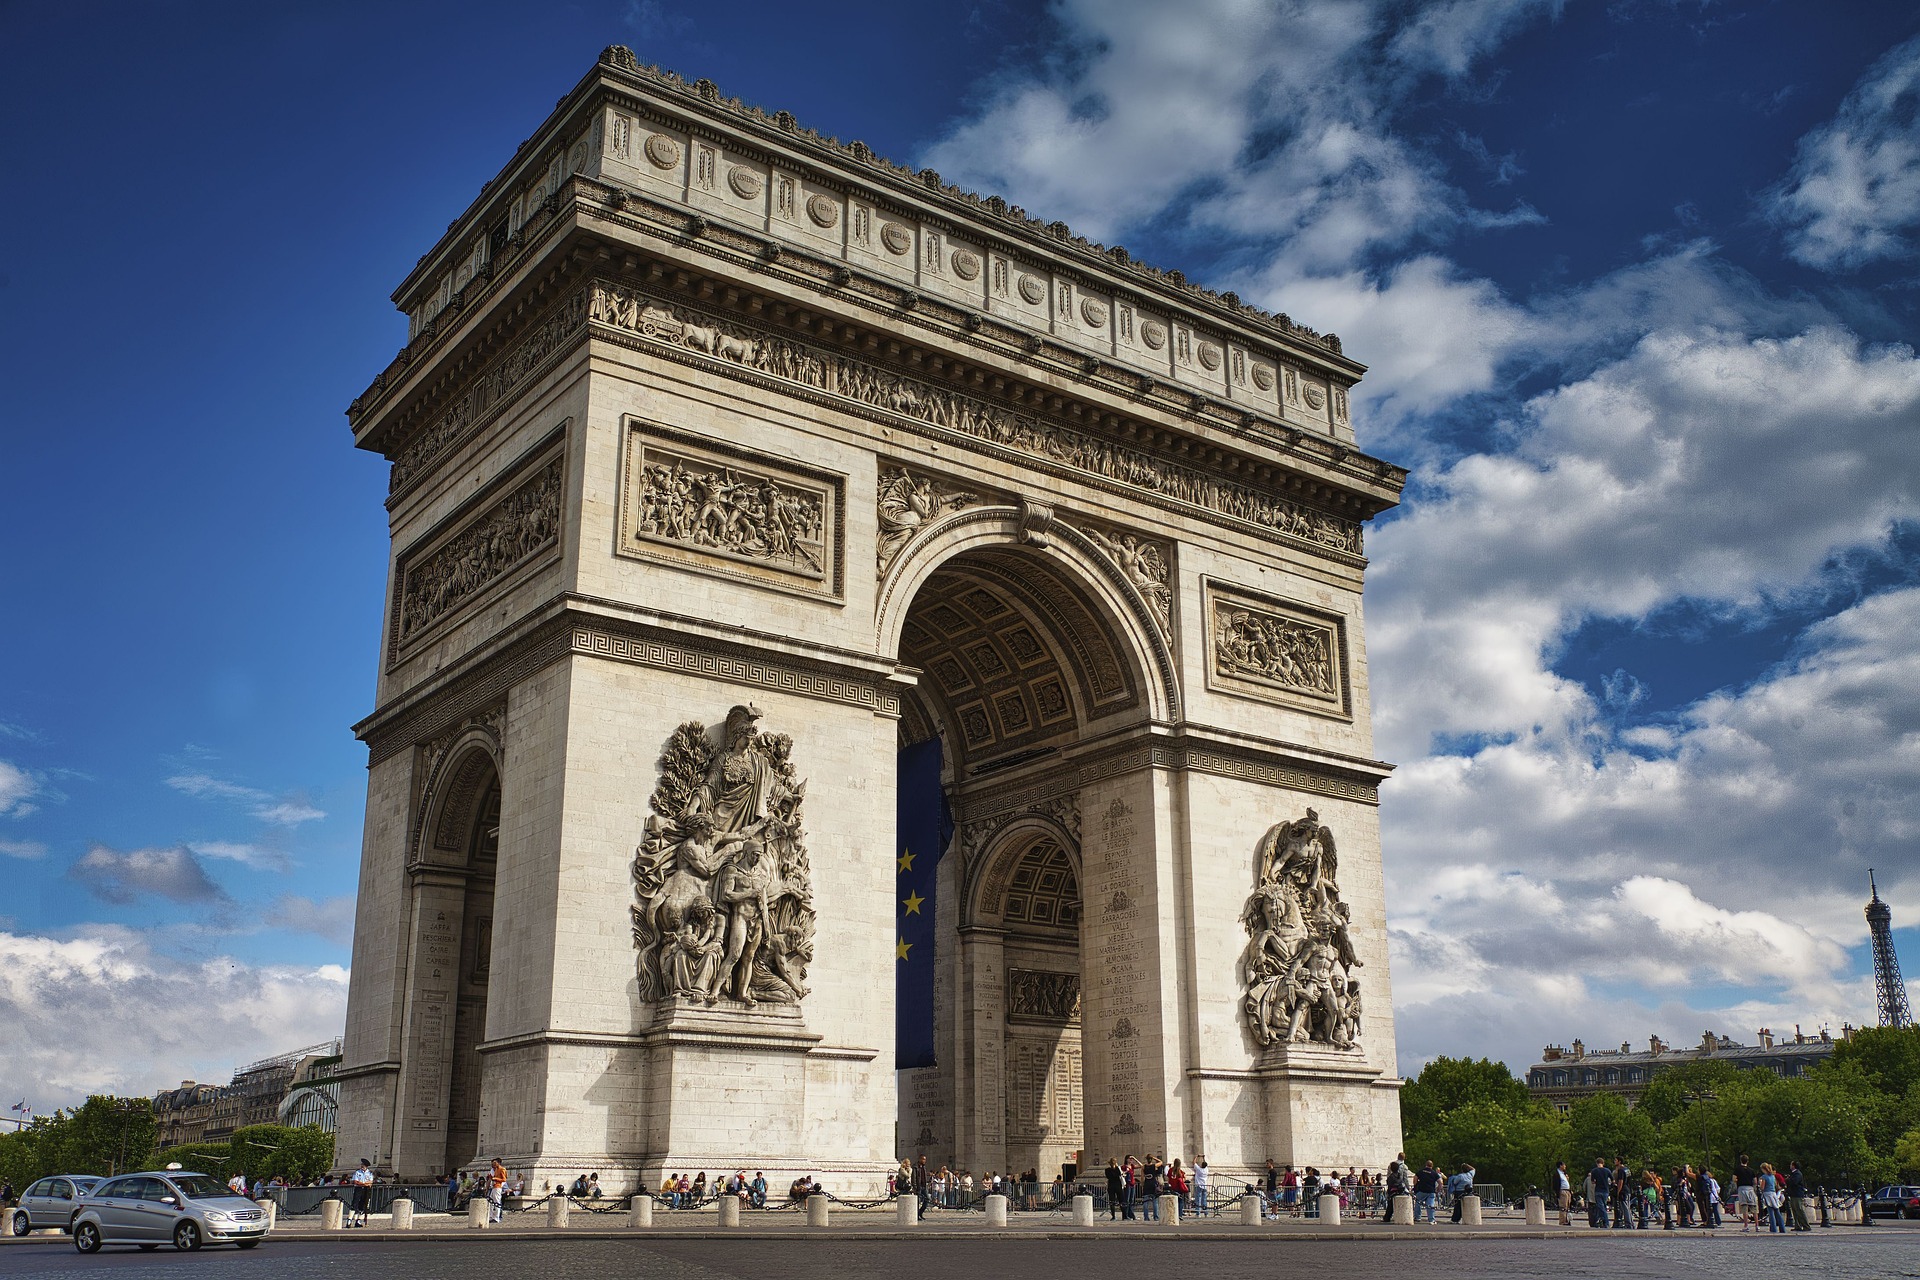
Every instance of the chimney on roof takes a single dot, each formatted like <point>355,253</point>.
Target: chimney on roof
<point>1626,1046</point>
<point>1797,1037</point>
<point>1553,1053</point>
<point>1846,1031</point>
<point>1579,1048</point>
<point>1655,1045</point>
<point>1825,1038</point>
<point>1766,1037</point>
<point>1708,1041</point>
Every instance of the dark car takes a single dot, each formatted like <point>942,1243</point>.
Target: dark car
<point>50,1203</point>
<point>1894,1202</point>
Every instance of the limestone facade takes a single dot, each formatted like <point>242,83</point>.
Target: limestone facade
<point>699,410</point>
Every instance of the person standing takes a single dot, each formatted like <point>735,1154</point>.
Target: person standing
<point>362,1180</point>
<point>1709,1191</point>
<point>1796,1196</point>
<point>1622,1195</point>
<point>1116,1188</point>
<point>920,1177</point>
<point>1202,1183</point>
<point>1396,1183</point>
<point>1426,1190</point>
<point>1459,1186</point>
<point>1150,1188</point>
<point>1562,1192</point>
<point>1746,1198</point>
<point>497,1191</point>
<point>1600,1179</point>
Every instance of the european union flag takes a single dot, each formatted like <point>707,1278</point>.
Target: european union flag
<point>923,826</point>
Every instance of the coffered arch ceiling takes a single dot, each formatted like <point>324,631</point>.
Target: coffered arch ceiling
<point>1016,658</point>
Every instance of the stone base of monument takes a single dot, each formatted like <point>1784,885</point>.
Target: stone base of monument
<point>996,1211</point>
<point>477,1211</point>
<point>1469,1211</point>
<point>1250,1211</point>
<point>1083,1211</point>
<point>640,1212</point>
<point>1346,1107</point>
<point>331,1214</point>
<point>1536,1211</point>
<point>906,1211</point>
<point>1330,1211</point>
<point>402,1214</point>
<point>817,1212</point>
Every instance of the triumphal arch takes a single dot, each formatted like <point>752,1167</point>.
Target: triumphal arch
<point>730,464</point>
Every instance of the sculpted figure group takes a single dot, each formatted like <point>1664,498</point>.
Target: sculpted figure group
<point>1299,961</point>
<point>724,892</point>
<point>746,515</point>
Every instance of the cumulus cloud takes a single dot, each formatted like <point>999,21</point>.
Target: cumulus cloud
<point>330,918</point>
<point>23,848</point>
<point>280,811</point>
<point>1853,195</point>
<point>123,878</point>
<point>99,1011</point>
<point>249,855</point>
<point>17,789</point>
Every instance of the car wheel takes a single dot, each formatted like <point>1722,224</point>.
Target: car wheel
<point>22,1224</point>
<point>246,1244</point>
<point>186,1237</point>
<point>86,1238</point>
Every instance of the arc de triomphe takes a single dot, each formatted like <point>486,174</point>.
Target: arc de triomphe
<point>729,460</point>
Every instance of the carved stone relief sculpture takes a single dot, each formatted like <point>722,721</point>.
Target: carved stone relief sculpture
<point>907,504</point>
<point>723,887</point>
<point>1144,562</point>
<point>1042,993</point>
<point>1299,962</point>
<point>750,516</point>
<point>516,528</point>
<point>1273,649</point>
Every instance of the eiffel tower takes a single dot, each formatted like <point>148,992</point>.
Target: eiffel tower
<point>1892,991</point>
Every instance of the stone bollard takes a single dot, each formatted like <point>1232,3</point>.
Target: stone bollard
<point>1330,1211</point>
<point>817,1210</point>
<point>729,1210</point>
<point>330,1214</point>
<point>1169,1211</point>
<point>271,1208</point>
<point>403,1214</point>
<point>559,1210</point>
<point>1083,1211</point>
<point>996,1211</point>
<point>1469,1211</point>
<point>1249,1211</point>
<point>1536,1211</point>
<point>906,1211</point>
<point>477,1212</point>
<point>1402,1210</point>
<point>640,1211</point>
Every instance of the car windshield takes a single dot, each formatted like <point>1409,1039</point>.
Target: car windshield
<point>197,1186</point>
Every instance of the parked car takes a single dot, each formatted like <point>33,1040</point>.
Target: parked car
<point>50,1203</point>
<point>151,1209</point>
<point>1894,1202</point>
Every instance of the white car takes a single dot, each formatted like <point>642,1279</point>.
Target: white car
<point>187,1210</point>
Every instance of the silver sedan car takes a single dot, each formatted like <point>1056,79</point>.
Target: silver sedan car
<point>187,1210</point>
<point>50,1203</point>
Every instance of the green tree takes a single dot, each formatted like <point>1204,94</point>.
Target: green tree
<point>278,1151</point>
<point>1906,1156</point>
<point>1673,1090</point>
<point>1448,1083</point>
<point>108,1135</point>
<point>1603,1126</point>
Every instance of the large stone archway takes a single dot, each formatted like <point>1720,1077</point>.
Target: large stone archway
<point>726,460</point>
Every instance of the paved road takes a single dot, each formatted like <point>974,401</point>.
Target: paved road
<point>1843,1256</point>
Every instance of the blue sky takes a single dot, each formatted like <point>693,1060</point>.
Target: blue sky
<point>1633,280</point>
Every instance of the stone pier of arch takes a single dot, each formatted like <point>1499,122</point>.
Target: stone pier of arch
<point>701,412</point>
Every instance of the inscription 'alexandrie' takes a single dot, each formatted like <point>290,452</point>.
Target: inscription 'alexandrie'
<point>870,384</point>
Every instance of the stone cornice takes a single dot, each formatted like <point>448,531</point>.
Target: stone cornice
<point>700,108</point>
<point>572,625</point>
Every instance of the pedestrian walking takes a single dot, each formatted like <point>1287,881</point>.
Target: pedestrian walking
<point>1458,1186</point>
<point>496,1191</point>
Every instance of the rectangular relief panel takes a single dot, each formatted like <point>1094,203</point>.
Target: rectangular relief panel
<point>511,525</point>
<point>696,502</point>
<point>1277,651</point>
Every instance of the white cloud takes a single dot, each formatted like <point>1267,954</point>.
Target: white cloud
<point>17,789</point>
<point>23,848</point>
<point>100,1012</point>
<point>331,918</point>
<point>250,855</point>
<point>1853,195</point>
<point>279,811</point>
<point>124,878</point>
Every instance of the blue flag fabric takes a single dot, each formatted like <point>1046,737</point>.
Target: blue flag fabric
<point>923,825</point>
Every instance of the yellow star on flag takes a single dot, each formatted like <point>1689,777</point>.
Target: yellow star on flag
<point>913,901</point>
<point>906,860</point>
<point>901,948</point>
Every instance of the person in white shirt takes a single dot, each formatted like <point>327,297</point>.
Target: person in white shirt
<point>362,1180</point>
<point>1563,1192</point>
<point>1201,1181</point>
